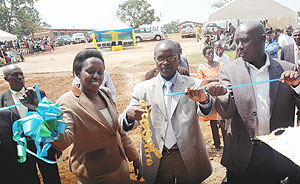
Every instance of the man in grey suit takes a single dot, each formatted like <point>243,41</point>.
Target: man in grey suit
<point>175,131</point>
<point>289,52</point>
<point>255,110</point>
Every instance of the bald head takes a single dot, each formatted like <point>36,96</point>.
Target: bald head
<point>164,44</point>
<point>8,69</point>
<point>253,28</point>
<point>250,39</point>
<point>289,29</point>
<point>14,76</point>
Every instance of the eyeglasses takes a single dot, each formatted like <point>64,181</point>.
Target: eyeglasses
<point>169,59</point>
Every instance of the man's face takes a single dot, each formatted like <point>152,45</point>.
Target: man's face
<point>269,37</point>
<point>289,30</point>
<point>219,50</point>
<point>249,46</point>
<point>15,78</point>
<point>296,35</point>
<point>166,61</point>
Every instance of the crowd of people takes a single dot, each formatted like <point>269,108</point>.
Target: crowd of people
<point>101,148</point>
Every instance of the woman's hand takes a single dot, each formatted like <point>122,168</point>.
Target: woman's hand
<point>136,166</point>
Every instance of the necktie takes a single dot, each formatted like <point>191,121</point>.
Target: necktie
<point>170,136</point>
<point>22,110</point>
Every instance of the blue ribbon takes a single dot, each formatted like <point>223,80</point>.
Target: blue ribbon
<point>230,87</point>
<point>43,126</point>
<point>9,107</point>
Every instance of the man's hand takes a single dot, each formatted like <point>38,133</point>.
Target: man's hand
<point>290,78</point>
<point>215,89</point>
<point>137,171</point>
<point>196,93</point>
<point>30,98</point>
<point>135,113</point>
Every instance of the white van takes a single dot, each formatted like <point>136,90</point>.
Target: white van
<point>78,38</point>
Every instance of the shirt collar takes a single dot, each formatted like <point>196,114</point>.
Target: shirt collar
<point>267,64</point>
<point>173,79</point>
<point>295,46</point>
<point>22,91</point>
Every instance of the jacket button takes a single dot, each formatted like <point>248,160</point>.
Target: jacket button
<point>254,113</point>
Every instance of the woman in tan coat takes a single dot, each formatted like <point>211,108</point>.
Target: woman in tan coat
<point>100,149</point>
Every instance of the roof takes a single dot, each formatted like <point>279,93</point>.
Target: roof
<point>254,9</point>
<point>187,21</point>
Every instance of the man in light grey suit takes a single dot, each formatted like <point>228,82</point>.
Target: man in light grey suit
<point>175,131</point>
<point>289,52</point>
<point>255,110</point>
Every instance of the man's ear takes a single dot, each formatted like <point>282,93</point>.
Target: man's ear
<point>263,38</point>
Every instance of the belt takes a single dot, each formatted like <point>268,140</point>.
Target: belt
<point>174,149</point>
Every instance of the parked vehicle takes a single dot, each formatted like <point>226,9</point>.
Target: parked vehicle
<point>188,30</point>
<point>78,38</point>
<point>210,28</point>
<point>147,34</point>
<point>63,40</point>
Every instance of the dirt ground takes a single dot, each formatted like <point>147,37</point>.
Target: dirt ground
<point>52,72</point>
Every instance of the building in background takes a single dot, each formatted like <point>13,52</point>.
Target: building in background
<point>54,33</point>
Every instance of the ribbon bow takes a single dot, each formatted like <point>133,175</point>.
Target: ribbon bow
<point>43,126</point>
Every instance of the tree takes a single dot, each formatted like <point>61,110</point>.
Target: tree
<point>172,27</point>
<point>219,3</point>
<point>19,17</point>
<point>135,13</point>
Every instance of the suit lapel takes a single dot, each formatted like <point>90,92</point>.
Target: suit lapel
<point>274,72</point>
<point>85,103</point>
<point>8,101</point>
<point>158,96</point>
<point>178,87</point>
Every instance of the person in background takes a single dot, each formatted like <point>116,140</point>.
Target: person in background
<point>271,45</point>
<point>100,148</point>
<point>219,55</point>
<point>198,32</point>
<point>287,37</point>
<point>209,72</point>
<point>183,62</point>
<point>290,52</point>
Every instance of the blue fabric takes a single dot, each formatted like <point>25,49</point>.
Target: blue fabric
<point>271,48</point>
<point>173,79</point>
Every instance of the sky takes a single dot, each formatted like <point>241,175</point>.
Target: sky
<point>101,15</point>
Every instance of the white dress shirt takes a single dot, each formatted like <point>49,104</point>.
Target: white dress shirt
<point>224,58</point>
<point>284,40</point>
<point>262,97</point>
<point>22,110</point>
<point>295,54</point>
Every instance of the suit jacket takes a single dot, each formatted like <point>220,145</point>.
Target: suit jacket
<point>242,111</point>
<point>98,148</point>
<point>22,172</point>
<point>287,53</point>
<point>185,123</point>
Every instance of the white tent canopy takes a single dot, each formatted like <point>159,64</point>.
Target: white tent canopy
<point>277,14</point>
<point>5,36</point>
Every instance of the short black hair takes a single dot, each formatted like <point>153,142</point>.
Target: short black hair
<point>206,48</point>
<point>84,55</point>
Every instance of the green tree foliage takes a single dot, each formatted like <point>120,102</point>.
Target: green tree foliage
<point>219,3</point>
<point>135,13</point>
<point>171,27</point>
<point>19,17</point>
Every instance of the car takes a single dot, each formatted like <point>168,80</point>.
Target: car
<point>63,40</point>
<point>188,30</point>
<point>78,38</point>
<point>147,34</point>
<point>210,28</point>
